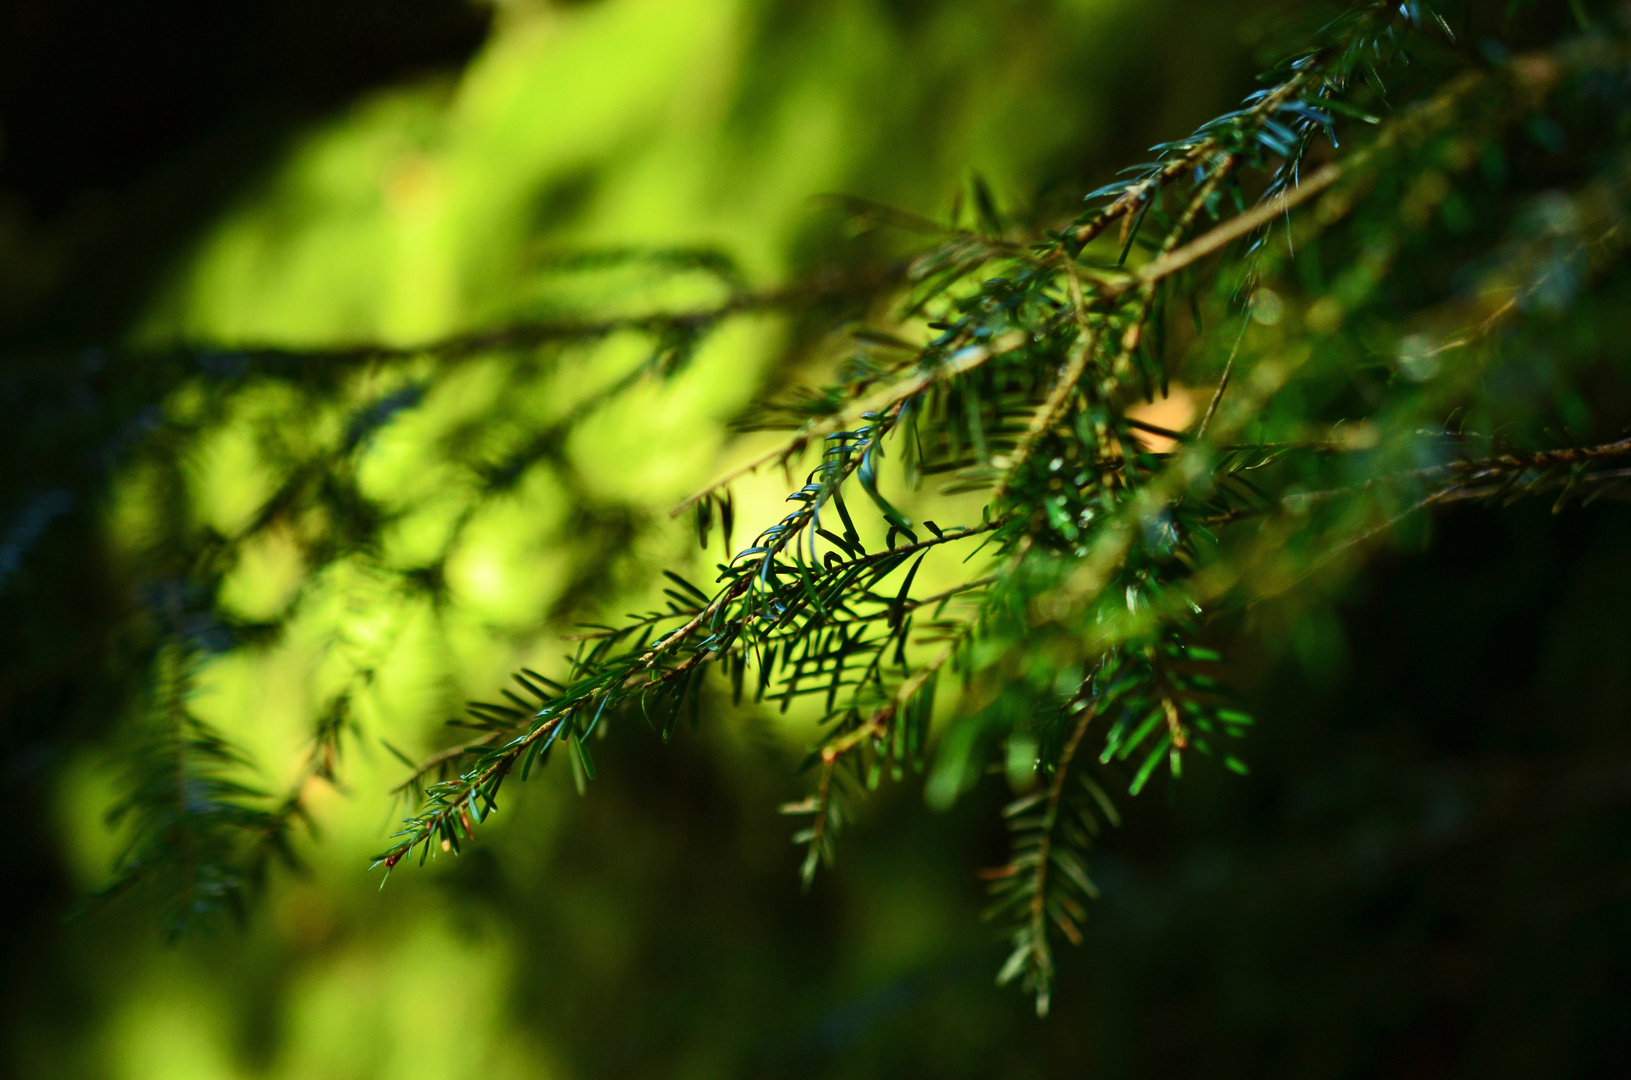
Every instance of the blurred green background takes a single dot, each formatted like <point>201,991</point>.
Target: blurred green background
<point>1424,876</point>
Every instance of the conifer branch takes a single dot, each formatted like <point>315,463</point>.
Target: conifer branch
<point>1107,562</point>
<point>959,363</point>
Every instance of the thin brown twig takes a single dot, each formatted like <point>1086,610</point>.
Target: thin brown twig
<point>1134,198</point>
<point>529,334</point>
<point>1223,380</point>
<point>1069,377</point>
<point>1244,224</point>
<point>1238,226</point>
<point>1038,913</point>
<point>959,363</point>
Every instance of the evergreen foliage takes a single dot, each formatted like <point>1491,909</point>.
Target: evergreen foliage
<point>1384,284</point>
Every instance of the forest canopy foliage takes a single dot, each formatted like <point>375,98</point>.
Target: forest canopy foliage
<point>1048,463</point>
